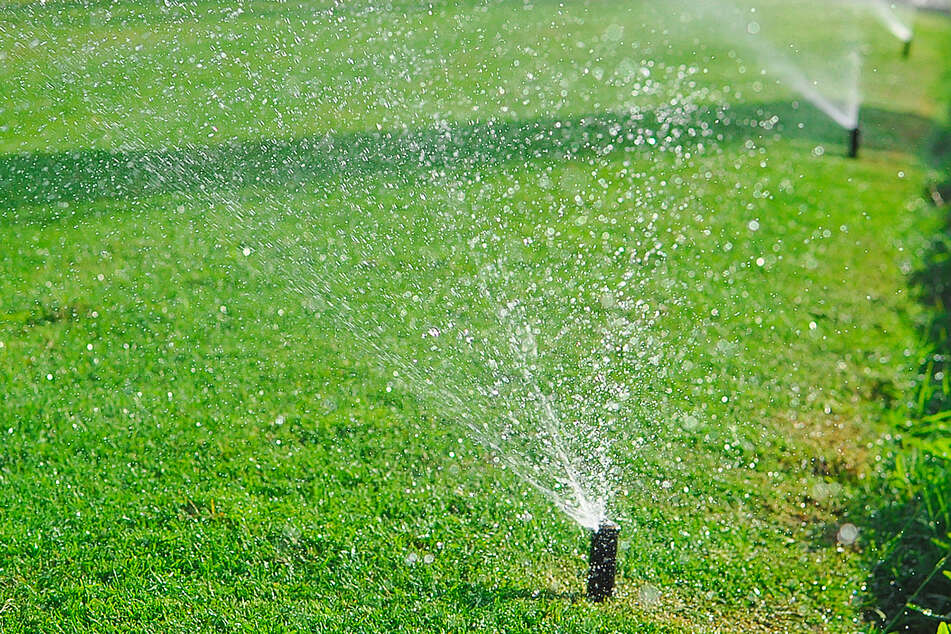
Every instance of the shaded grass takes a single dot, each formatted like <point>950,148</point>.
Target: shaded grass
<point>912,581</point>
<point>910,589</point>
<point>89,176</point>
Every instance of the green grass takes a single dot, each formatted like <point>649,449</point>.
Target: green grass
<point>189,443</point>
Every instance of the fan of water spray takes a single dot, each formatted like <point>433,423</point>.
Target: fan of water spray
<point>890,15</point>
<point>541,330</point>
<point>766,31</point>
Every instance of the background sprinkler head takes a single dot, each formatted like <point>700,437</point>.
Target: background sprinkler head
<point>854,138</point>
<point>906,49</point>
<point>602,562</point>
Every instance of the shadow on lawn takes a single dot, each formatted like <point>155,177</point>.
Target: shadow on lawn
<point>910,588</point>
<point>39,186</point>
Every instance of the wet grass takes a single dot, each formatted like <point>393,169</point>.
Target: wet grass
<point>188,446</point>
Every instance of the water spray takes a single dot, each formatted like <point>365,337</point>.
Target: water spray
<point>855,136</point>
<point>900,28</point>
<point>836,95</point>
<point>602,562</point>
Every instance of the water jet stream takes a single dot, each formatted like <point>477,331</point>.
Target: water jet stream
<point>888,16</point>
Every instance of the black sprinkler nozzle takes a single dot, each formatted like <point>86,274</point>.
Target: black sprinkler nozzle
<point>906,49</point>
<point>854,138</point>
<point>602,562</point>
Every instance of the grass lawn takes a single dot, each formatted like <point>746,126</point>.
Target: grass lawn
<point>223,227</point>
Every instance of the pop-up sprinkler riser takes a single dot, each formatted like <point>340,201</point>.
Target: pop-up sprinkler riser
<point>602,561</point>
<point>855,137</point>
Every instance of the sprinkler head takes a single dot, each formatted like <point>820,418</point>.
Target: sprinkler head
<point>906,49</point>
<point>602,562</point>
<point>854,138</point>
